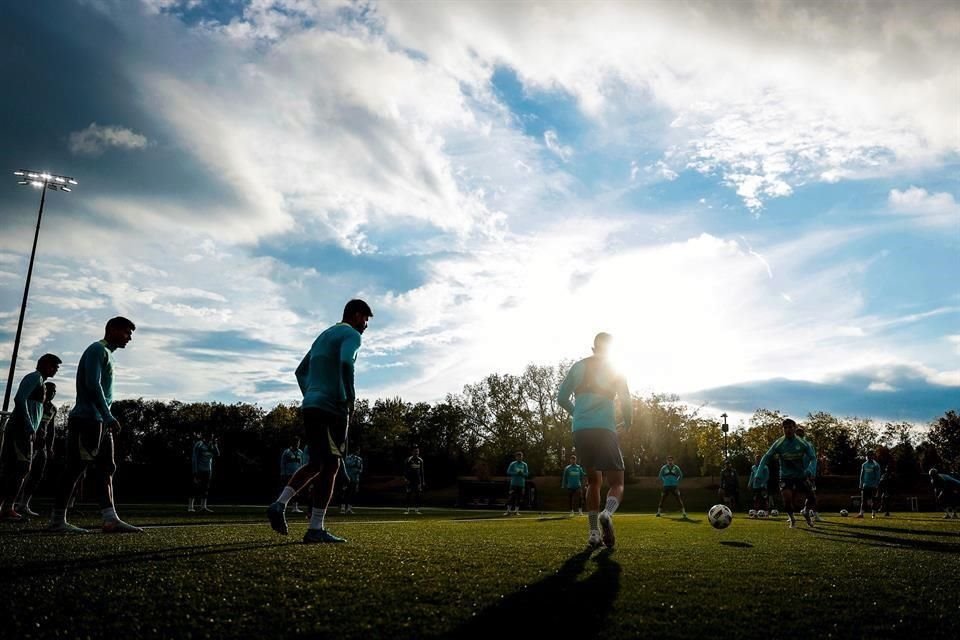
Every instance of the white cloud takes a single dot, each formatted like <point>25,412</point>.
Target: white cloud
<point>928,209</point>
<point>881,387</point>
<point>96,139</point>
<point>564,152</point>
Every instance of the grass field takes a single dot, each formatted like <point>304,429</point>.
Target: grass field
<point>469,574</point>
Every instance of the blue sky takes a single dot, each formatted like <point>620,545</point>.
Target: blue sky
<point>759,202</point>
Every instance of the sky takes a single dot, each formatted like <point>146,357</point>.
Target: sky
<point>759,200</point>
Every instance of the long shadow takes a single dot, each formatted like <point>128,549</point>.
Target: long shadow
<point>898,530</point>
<point>735,543</point>
<point>682,519</point>
<point>557,606</point>
<point>24,528</point>
<point>858,537</point>
<point>45,567</point>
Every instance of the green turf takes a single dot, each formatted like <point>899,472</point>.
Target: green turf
<point>468,574</point>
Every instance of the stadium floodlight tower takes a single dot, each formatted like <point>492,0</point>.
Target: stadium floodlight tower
<point>725,428</point>
<point>39,180</point>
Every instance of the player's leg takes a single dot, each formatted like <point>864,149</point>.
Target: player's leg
<point>809,502</point>
<point>334,429</point>
<point>418,497</point>
<point>863,502</point>
<point>83,438</point>
<point>16,459</point>
<point>786,492</point>
<point>205,479</point>
<point>683,508</point>
<point>105,467</point>
<point>38,468</point>
<point>614,498</point>
<point>593,506</point>
<point>663,494</point>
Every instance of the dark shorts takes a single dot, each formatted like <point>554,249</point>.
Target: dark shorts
<point>516,490</point>
<point>88,441</point>
<point>670,491</point>
<point>869,493</point>
<point>797,485</point>
<point>16,455</point>
<point>326,433</point>
<point>414,487</point>
<point>201,482</point>
<point>598,449</point>
<point>759,494</point>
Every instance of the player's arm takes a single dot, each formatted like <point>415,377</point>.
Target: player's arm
<point>626,403</point>
<point>563,477</point>
<point>348,358</point>
<point>568,386</point>
<point>764,460</point>
<point>663,472</point>
<point>51,432</point>
<point>863,472</point>
<point>26,391</point>
<point>195,458</point>
<point>679,473</point>
<point>303,372</point>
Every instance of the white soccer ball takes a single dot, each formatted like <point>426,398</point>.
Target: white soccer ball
<point>774,513</point>
<point>844,513</point>
<point>720,516</point>
<point>761,514</point>
<point>752,513</point>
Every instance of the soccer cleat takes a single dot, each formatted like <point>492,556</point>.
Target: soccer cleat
<point>27,511</point>
<point>807,517</point>
<point>350,511</point>
<point>606,526</point>
<point>873,515</point>
<point>418,512</point>
<point>594,540</point>
<point>297,509</point>
<point>119,526</point>
<point>191,510</point>
<point>946,515</point>
<point>407,512</point>
<point>276,514</point>
<point>65,527</point>
<point>658,513</point>
<point>208,509</point>
<point>684,515</point>
<point>320,536</point>
<point>343,510</point>
<point>859,515</point>
<point>580,512</point>
<point>791,524</point>
<point>10,515</point>
<point>571,512</point>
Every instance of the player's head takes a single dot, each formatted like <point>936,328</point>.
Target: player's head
<point>869,455</point>
<point>48,365</point>
<point>800,432</point>
<point>518,455</point>
<point>295,442</point>
<point>415,450</point>
<point>758,460</point>
<point>119,331</point>
<point>50,390</point>
<point>789,427</point>
<point>728,464</point>
<point>573,458</point>
<point>933,473</point>
<point>669,459</point>
<point>601,344</point>
<point>356,313</point>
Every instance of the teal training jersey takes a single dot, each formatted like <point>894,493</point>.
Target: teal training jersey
<point>810,461</point>
<point>353,467</point>
<point>573,477</point>
<point>795,455</point>
<point>759,479</point>
<point>594,386</point>
<point>518,472</point>
<point>290,460</point>
<point>203,455</point>
<point>326,373</point>
<point>870,474</point>
<point>670,475</point>
<point>95,383</point>
<point>28,403</point>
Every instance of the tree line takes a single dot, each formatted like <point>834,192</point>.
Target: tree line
<point>478,430</point>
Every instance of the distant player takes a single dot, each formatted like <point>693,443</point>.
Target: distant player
<point>572,480</point>
<point>291,459</point>
<point>886,487</point>
<point>518,472</point>
<point>413,475</point>
<point>90,431</point>
<point>869,483</point>
<point>353,467</point>
<point>670,477</point>
<point>326,379</point>
<point>205,449</point>
<point>595,387</point>
<point>796,469</point>
<point>946,490</point>
<point>17,446</point>
<point>42,451</point>
<point>729,491</point>
<point>759,479</point>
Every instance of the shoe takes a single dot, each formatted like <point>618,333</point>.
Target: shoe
<point>873,516</point>
<point>276,514</point>
<point>859,515</point>
<point>946,515</point>
<point>594,540</point>
<point>119,526</point>
<point>806,516</point>
<point>350,511</point>
<point>606,526</point>
<point>684,515</point>
<point>407,512</point>
<point>816,517</point>
<point>191,510</point>
<point>207,509</point>
<point>65,527</point>
<point>297,510</point>
<point>10,515</point>
<point>27,511</point>
<point>507,512</point>
<point>571,512</point>
<point>320,536</point>
<point>580,512</point>
<point>658,514</point>
<point>418,512</point>
<point>887,514</point>
<point>791,524</point>
<point>343,511</point>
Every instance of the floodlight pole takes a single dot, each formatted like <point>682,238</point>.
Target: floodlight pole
<point>726,427</point>
<point>44,185</point>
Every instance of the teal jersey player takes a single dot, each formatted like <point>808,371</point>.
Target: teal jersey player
<point>353,467</point>
<point>518,472</point>
<point>203,455</point>
<point>326,373</point>
<point>595,386</point>
<point>670,475</point>
<point>797,458</point>
<point>28,403</point>
<point>870,474</point>
<point>95,383</point>
<point>759,477</point>
<point>573,476</point>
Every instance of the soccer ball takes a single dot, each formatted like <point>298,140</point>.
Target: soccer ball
<point>752,513</point>
<point>761,514</point>
<point>720,516</point>
<point>774,513</point>
<point>844,513</point>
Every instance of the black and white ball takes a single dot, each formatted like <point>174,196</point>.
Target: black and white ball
<point>720,516</point>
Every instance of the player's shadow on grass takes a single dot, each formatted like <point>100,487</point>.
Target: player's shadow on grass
<point>736,543</point>
<point>682,519</point>
<point>897,530</point>
<point>871,539</point>
<point>562,605</point>
<point>59,566</point>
